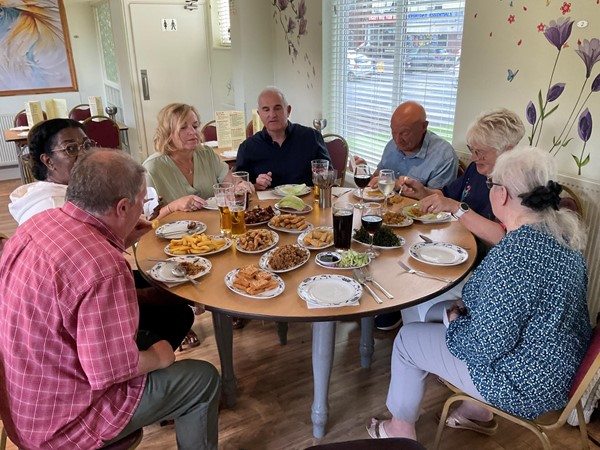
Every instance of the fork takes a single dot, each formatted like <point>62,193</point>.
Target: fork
<point>423,274</point>
<point>369,277</point>
<point>339,194</point>
<point>361,279</point>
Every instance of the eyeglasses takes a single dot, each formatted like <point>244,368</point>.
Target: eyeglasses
<point>489,183</point>
<point>73,149</point>
<point>479,154</point>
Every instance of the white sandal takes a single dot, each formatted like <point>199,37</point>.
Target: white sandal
<point>376,430</point>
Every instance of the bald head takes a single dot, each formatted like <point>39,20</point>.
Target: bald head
<point>409,125</point>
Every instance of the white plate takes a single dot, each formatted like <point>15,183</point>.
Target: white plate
<point>163,270</point>
<point>228,243</point>
<point>405,223</point>
<point>263,295</point>
<point>262,222</point>
<point>310,247</point>
<point>370,198</point>
<point>402,242</point>
<point>211,203</point>
<point>175,230</point>
<point>264,262</point>
<point>289,230</point>
<point>274,241</point>
<point>426,218</point>
<point>338,267</point>
<point>438,253</point>
<point>330,290</point>
<point>280,190</point>
<point>288,210</point>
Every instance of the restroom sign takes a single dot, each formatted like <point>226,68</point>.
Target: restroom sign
<point>168,24</point>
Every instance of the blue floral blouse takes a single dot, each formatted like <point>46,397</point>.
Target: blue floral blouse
<point>527,326</point>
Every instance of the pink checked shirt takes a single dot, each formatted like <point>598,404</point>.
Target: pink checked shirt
<point>68,321</point>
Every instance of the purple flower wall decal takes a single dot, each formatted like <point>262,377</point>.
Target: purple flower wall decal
<point>559,31</point>
<point>589,51</point>
<point>585,125</point>
<point>302,9</point>
<point>303,25</point>
<point>555,91</point>
<point>531,113</point>
<point>291,25</point>
<point>596,84</point>
<point>283,4</point>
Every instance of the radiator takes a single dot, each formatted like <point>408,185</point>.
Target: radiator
<point>8,151</point>
<point>589,193</point>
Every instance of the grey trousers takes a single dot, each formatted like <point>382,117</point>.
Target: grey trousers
<point>187,391</point>
<point>419,349</point>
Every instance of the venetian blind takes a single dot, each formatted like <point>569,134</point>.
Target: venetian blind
<point>385,53</point>
<point>224,23</point>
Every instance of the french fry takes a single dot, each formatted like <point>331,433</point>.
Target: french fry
<point>195,244</point>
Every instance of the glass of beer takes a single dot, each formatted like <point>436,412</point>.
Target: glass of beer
<point>237,206</point>
<point>318,166</point>
<point>342,225</point>
<point>224,194</point>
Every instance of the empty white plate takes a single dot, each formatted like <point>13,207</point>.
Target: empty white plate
<point>439,253</point>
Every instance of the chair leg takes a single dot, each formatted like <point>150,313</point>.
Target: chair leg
<point>585,443</point>
<point>442,424</point>
<point>282,330</point>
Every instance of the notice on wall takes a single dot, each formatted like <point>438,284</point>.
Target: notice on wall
<point>56,108</point>
<point>96,108</point>
<point>34,113</point>
<point>168,24</point>
<point>231,128</point>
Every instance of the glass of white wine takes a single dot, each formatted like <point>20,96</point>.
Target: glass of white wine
<point>386,183</point>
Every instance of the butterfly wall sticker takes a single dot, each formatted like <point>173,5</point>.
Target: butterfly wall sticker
<point>511,75</point>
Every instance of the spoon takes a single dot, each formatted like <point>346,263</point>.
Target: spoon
<point>178,271</point>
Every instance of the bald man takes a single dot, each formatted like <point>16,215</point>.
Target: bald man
<point>416,152</point>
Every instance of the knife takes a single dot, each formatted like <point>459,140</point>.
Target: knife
<point>426,239</point>
<point>361,279</point>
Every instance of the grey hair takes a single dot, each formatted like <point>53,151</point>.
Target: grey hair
<point>101,178</point>
<point>273,90</point>
<point>523,169</point>
<point>499,129</point>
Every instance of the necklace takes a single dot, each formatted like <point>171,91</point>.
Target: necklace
<point>185,167</point>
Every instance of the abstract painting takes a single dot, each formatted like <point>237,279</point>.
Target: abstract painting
<point>35,52</point>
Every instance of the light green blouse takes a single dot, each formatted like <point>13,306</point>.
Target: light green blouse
<point>164,176</point>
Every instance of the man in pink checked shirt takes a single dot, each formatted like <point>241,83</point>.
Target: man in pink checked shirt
<point>71,375</point>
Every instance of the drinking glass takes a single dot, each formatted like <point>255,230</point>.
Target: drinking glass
<point>371,219</point>
<point>318,166</point>
<point>362,176</point>
<point>319,124</point>
<point>237,206</point>
<point>386,183</point>
<point>342,225</point>
<point>242,185</point>
<point>224,194</point>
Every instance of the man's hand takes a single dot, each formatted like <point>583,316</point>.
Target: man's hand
<point>358,160</point>
<point>141,228</point>
<point>412,188</point>
<point>438,203</point>
<point>374,183</point>
<point>158,356</point>
<point>263,181</point>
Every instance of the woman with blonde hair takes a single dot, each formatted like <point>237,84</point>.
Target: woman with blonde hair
<point>183,170</point>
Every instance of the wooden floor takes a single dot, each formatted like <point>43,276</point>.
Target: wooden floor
<point>275,391</point>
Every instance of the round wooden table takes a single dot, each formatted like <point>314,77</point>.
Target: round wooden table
<point>407,289</point>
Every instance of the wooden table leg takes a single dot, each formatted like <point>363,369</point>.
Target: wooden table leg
<point>323,346</point>
<point>223,326</point>
<point>367,344</point>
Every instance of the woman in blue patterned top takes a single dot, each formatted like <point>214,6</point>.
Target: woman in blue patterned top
<point>522,330</point>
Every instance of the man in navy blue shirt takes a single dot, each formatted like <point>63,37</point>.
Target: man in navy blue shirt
<point>282,151</point>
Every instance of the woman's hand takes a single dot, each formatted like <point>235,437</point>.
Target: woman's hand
<point>456,310</point>
<point>187,203</point>
<point>263,181</point>
<point>438,203</point>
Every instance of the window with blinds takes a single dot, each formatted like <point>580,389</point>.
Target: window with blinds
<point>386,53</point>
<point>224,23</point>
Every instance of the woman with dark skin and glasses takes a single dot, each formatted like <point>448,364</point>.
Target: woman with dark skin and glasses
<point>54,146</point>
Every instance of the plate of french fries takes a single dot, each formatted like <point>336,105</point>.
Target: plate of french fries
<point>316,238</point>
<point>198,244</point>
<point>256,241</point>
<point>253,282</point>
<point>289,223</point>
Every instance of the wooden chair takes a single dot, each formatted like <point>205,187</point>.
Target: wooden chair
<point>21,118</point>
<point>249,130</point>
<point>338,152</point>
<point>461,168</point>
<point>209,131</point>
<point>25,165</point>
<point>552,420</point>
<point>80,112</point>
<point>371,444</point>
<point>103,130</point>
<point>570,200</point>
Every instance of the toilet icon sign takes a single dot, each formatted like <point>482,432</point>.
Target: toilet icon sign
<point>168,24</point>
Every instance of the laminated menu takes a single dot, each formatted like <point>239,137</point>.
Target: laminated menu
<point>56,108</point>
<point>34,113</point>
<point>96,108</point>
<point>231,128</point>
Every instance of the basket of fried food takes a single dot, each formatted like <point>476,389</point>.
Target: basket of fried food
<point>197,244</point>
<point>259,215</point>
<point>285,258</point>
<point>316,238</point>
<point>291,223</point>
<point>396,219</point>
<point>255,241</point>
<point>251,281</point>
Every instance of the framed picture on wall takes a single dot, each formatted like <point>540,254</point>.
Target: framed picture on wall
<point>35,51</point>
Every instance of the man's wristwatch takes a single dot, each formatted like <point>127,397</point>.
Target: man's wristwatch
<point>462,209</point>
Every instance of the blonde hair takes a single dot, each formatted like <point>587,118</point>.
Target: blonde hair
<point>500,129</point>
<point>170,119</point>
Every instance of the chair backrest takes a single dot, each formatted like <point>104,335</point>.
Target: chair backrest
<point>338,152</point>
<point>103,130</point>
<point>25,165</point>
<point>128,442</point>
<point>80,112</point>
<point>570,200</point>
<point>461,168</point>
<point>249,129</point>
<point>209,131</point>
<point>21,118</point>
